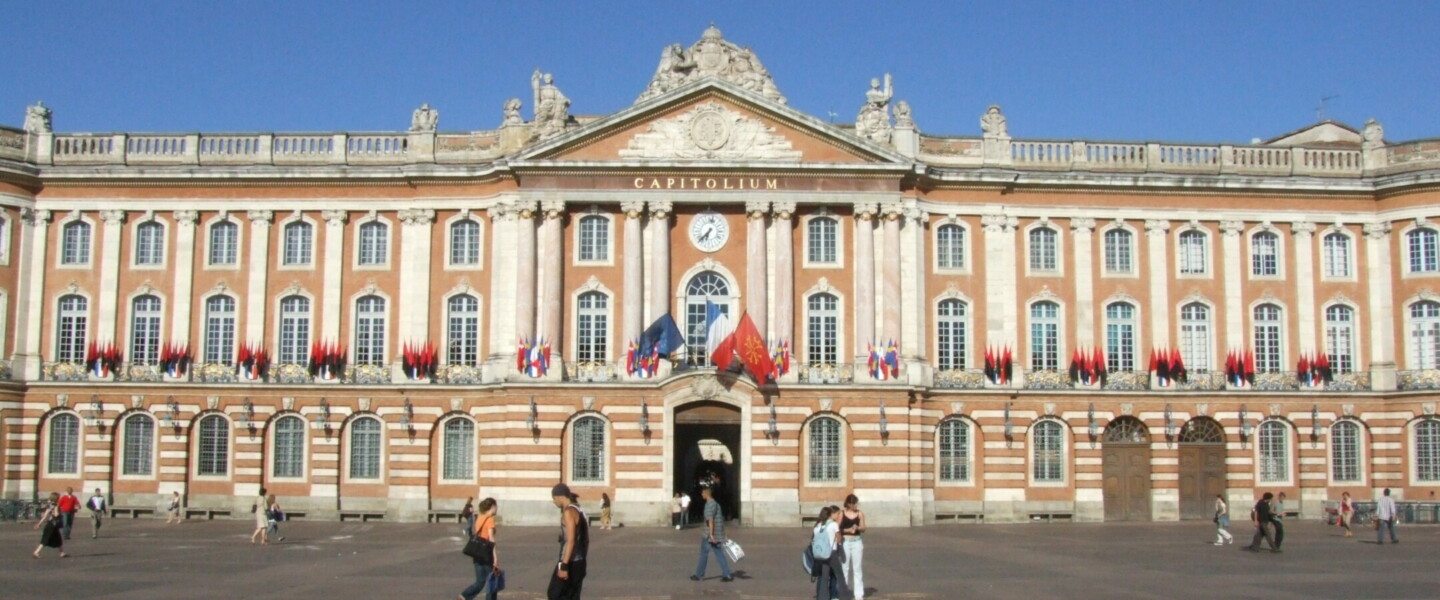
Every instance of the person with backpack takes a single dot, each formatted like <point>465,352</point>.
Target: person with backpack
<point>825,546</point>
<point>711,538</point>
<point>274,515</point>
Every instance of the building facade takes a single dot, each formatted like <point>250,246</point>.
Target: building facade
<point>174,307</point>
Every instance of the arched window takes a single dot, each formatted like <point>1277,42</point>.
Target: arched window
<point>289,451</point>
<point>213,447</point>
<point>224,243</point>
<point>64,447</point>
<point>1345,451</point>
<point>1202,430</point>
<point>592,329</point>
<point>823,242</point>
<point>295,317</point>
<point>1340,338</point>
<point>370,330</point>
<point>587,450</point>
<point>1274,452</point>
<point>71,329</point>
<point>299,243</point>
<point>1120,336</point>
<point>1337,255</point>
<point>822,330</point>
<point>1193,253</point>
<point>1119,251</point>
<point>1043,253</point>
<point>465,242</point>
<point>951,321</point>
<point>594,238</point>
<point>374,243</point>
<point>954,449</point>
<point>1048,459</point>
<point>149,244</point>
<point>950,246</point>
<point>365,438</point>
<point>824,450</point>
<point>139,449</point>
<point>1195,336</point>
<point>1044,336</point>
<point>219,329</point>
<point>707,286</point>
<point>1425,334</point>
<point>145,330</point>
<point>463,329</point>
<point>1424,257</point>
<point>1267,324</point>
<point>1265,254</point>
<point>1427,450</point>
<point>459,459</point>
<point>75,243</point>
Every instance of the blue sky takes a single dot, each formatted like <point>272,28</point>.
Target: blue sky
<point>1173,71</point>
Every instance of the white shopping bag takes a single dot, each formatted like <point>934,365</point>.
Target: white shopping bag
<point>733,551</point>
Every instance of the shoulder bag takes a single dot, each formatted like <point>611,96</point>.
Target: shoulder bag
<point>480,549</point>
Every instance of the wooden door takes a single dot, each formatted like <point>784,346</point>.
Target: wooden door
<point>1127,482</point>
<point>1202,477</point>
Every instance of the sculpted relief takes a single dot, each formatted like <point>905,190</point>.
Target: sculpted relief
<point>711,131</point>
<point>712,56</point>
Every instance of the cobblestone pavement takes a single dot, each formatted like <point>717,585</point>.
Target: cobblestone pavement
<point>146,559</point>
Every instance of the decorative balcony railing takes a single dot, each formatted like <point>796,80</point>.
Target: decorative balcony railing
<point>1276,381</point>
<point>458,375</point>
<point>826,374</point>
<point>593,372</point>
<point>1048,380</point>
<point>290,373</point>
<point>1349,382</point>
<point>1127,381</point>
<point>1425,379</point>
<point>368,374</point>
<point>1201,381</point>
<point>960,379</point>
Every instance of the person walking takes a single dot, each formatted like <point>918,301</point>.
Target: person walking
<point>1222,522</point>
<point>1386,512</point>
<point>1261,517</point>
<point>675,511</point>
<point>69,505</point>
<point>1278,513</point>
<point>1346,512</point>
<point>484,529</point>
<point>96,504</point>
<point>467,518</point>
<point>262,520</point>
<point>605,511</point>
<point>684,509</point>
<point>273,515</point>
<point>568,577</point>
<point>852,525</point>
<point>173,509</point>
<point>50,525</point>
<point>830,582</point>
<point>711,538</point>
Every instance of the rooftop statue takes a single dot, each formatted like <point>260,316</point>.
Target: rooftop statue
<point>1373,135</point>
<point>873,123</point>
<point>712,56</point>
<point>902,115</point>
<point>512,113</point>
<point>37,118</point>
<point>552,108</point>
<point>424,118</point>
<point>992,123</point>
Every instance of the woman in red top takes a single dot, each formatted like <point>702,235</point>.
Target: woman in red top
<point>484,528</point>
<point>1346,511</point>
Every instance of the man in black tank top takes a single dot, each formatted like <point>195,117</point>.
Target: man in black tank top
<point>569,574</point>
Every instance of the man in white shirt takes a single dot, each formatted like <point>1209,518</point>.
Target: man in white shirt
<point>97,506</point>
<point>1385,511</point>
<point>684,509</point>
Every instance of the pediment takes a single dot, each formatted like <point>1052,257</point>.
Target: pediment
<point>1324,133</point>
<point>710,121</point>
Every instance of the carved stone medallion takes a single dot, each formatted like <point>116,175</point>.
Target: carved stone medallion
<point>709,131</point>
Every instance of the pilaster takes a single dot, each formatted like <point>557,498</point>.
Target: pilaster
<point>659,258</point>
<point>864,279</point>
<point>1234,296</point>
<point>259,267</point>
<point>113,224</point>
<point>504,331</point>
<point>334,270</point>
<point>184,265</point>
<point>30,310</point>
<point>1304,234</point>
<point>1382,307</point>
<point>1081,229</point>
<point>552,290</point>
<point>913,315</point>
<point>1157,232</point>
<point>783,294</point>
<point>525,270</point>
<point>415,256</point>
<point>756,264</point>
<point>634,272</point>
<point>890,273</point>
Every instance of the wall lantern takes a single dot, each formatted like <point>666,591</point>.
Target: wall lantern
<point>644,417</point>
<point>322,418</point>
<point>96,411</point>
<point>172,410</point>
<point>531,419</point>
<point>247,418</point>
<point>1317,429</point>
<point>1009,425</point>
<point>407,419</point>
<point>1244,425</point>
<point>884,422</point>
<point>1093,426</point>
<point>1169,423</point>
<point>773,427</point>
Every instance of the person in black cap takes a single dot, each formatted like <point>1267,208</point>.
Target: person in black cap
<point>569,574</point>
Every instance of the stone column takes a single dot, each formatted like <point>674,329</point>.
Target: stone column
<point>552,239</point>
<point>415,256</point>
<point>31,305</point>
<point>890,273</point>
<point>184,265</point>
<point>756,264</point>
<point>333,273</point>
<point>1304,233</point>
<point>1157,232</point>
<point>255,296</point>
<point>1382,306</point>
<point>783,323</point>
<point>634,273</point>
<point>114,221</point>
<point>504,330</point>
<point>525,270</point>
<point>659,258</point>
<point>864,279</point>
<point>1000,281</point>
<point>1234,296</point>
<point>913,313</point>
<point>1081,229</point>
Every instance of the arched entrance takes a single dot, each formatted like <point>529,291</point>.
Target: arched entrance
<point>1127,470</point>
<point>707,451</point>
<point>1202,467</point>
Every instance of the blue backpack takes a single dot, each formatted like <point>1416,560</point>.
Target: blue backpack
<point>820,543</point>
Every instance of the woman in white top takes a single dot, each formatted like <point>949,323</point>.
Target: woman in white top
<point>1222,522</point>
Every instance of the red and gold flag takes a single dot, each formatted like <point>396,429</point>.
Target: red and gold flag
<point>751,347</point>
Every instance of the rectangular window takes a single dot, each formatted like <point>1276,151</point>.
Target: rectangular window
<point>1267,349</point>
<point>1337,255</point>
<point>145,337</point>
<point>951,336</point>
<point>64,444</point>
<point>950,247</point>
<point>75,249</point>
<point>70,337</point>
<point>823,336</point>
<point>591,329</point>
<point>588,454</point>
<point>464,332</point>
<point>1345,451</point>
<point>1043,250</point>
<point>594,239</point>
<point>298,244</point>
<point>139,446</point>
<point>365,449</point>
<point>224,239</point>
<point>465,243</point>
<point>1044,346</point>
<point>374,243</point>
<point>1424,255</point>
<point>459,450</point>
<point>289,448</point>
<point>1264,253</point>
<point>1274,453</point>
<point>370,341</point>
<point>1192,253</point>
<point>150,244</point>
<point>220,330</point>
<point>822,235</point>
<point>1118,252</point>
<point>1340,338</point>
<point>294,337</point>
<point>1120,347</point>
<point>1049,456</point>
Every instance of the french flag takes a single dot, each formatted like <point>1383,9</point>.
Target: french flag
<point>719,341</point>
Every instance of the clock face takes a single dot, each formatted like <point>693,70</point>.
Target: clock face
<point>709,231</point>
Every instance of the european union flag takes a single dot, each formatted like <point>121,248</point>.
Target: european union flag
<point>663,335</point>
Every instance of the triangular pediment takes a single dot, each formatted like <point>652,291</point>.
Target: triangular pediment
<point>713,122</point>
<point>1323,133</point>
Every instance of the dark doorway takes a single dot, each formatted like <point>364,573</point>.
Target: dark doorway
<point>1127,470</point>
<point>707,453</point>
<point>1202,467</point>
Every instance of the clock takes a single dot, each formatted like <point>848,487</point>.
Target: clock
<point>709,231</point>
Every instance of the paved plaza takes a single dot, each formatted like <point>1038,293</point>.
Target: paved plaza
<point>213,559</point>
